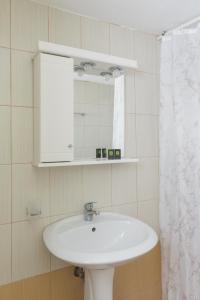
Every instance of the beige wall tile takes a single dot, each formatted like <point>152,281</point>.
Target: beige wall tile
<point>29,23</point>
<point>5,254</point>
<point>130,135</point>
<point>158,92</point>
<point>158,50</point>
<point>126,209</point>
<point>148,179</point>
<point>145,51</point>
<point>137,280</point>
<point>155,293</point>
<point>57,263</point>
<point>147,135</point>
<point>5,194</point>
<point>126,282</point>
<point>22,134</point>
<point>95,35</point>
<point>37,288</point>
<point>123,184</point>
<point>73,290</point>
<point>29,254</point>
<point>5,142</point>
<point>64,28</point>
<point>6,292</point>
<point>66,190</point>
<point>121,41</point>
<point>22,78</point>
<point>97,185</point>
<point>146,93</point>
<point>4,75</point>
<point>148,212</point>
<point>5,23</point>
<point>149,270</point>
<point>30,186</point>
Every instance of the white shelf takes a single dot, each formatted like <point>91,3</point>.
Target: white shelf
<point>66,51</point>
<point>89,162</point>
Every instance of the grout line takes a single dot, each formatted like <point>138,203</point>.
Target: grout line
<point>6,105</point>
<point>21,163</point>
<point>136,142</point>
<point>82,185</point>
<point>81,33</point>
<point>22,106</point>
<point>5,47</point>
<point>24,51</point>
<point>49,173</point>
<point>11,133</point>
<point>48,23</point>
<point>109,39</point>
<point>143,114</point>
<point>26,220</point>
<point>18,49</point>
<point>111,185</point>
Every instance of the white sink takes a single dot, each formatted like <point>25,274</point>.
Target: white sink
<point>98,246</point>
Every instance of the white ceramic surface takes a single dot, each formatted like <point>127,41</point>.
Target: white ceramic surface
<point>108,240</point>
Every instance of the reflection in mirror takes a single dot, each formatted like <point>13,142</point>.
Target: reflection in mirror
<point>98,115</point>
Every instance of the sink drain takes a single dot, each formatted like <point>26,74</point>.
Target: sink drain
<point>93,229</point>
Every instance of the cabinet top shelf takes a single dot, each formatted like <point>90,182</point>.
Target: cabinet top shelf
<point>89,162</point>
<point>56,49</point>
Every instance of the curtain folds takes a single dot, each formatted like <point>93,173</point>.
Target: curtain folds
<point>180,165</point>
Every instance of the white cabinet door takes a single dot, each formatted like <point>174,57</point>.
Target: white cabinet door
<point>53,108</point>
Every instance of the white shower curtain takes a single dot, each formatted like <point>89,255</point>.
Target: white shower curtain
<point>180,165</point>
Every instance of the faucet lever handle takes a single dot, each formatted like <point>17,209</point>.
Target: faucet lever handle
<point>89,205</point>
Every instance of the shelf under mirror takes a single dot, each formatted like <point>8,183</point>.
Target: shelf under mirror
<point>89,162</point>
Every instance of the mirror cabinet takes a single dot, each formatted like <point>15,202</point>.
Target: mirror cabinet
<point>79,105</point>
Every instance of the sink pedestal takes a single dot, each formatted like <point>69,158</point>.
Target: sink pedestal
<point>98,246</point>
<point>99,284</point>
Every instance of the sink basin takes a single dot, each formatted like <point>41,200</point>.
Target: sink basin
<point>98,246</point>
<point>108,240</point>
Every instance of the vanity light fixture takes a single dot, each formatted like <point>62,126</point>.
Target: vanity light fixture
<point>88,65</point>
<point>79,70</point>
<point>116,71</point>
<point>107,75</point>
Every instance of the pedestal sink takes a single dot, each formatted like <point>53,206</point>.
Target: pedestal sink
<point>98,246</point>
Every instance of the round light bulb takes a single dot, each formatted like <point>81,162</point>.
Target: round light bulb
<point>116,71</point>
<point>106,75</point>
<point>80,72</point>
<point>88,65</point>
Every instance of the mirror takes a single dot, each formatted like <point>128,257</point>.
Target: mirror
<point>98,113</point>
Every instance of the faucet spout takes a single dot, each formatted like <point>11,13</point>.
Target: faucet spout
<point>89,212</point>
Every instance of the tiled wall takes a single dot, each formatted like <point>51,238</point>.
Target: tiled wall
<point>138,280</point>
<point>129,189</point>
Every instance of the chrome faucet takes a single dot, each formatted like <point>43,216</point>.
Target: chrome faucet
<point>89,212</point>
